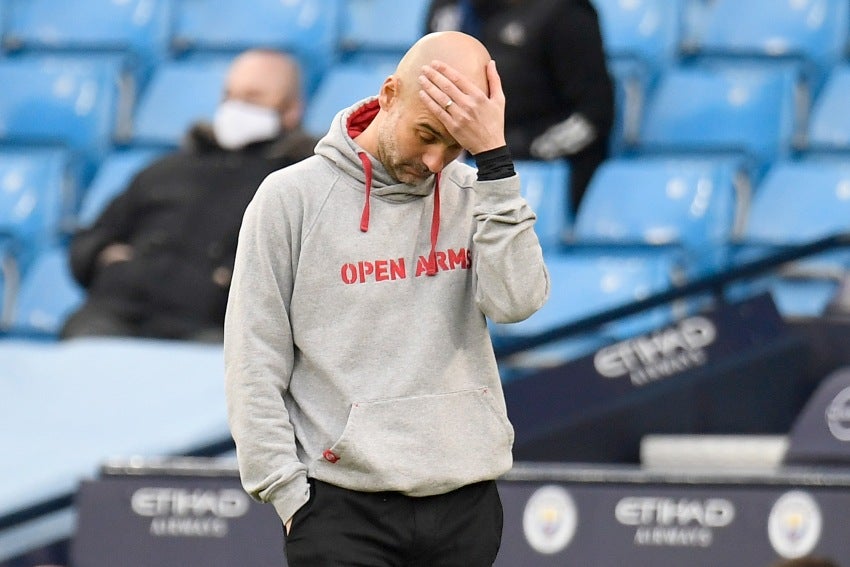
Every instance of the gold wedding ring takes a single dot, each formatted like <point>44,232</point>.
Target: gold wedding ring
<point>448,104</point>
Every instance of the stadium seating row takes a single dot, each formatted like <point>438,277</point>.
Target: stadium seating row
<point>642,37</point>
<point>651,224</point>
<point>749,114</point>
<point>735,107</point>
<point>655,32</point>
<point>73,80</point>
<point>648,224</point>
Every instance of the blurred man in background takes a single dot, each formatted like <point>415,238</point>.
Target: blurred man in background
<point>157,262</point>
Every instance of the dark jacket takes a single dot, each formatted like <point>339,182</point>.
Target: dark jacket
<point>181,215</point>
<point>550,57</point>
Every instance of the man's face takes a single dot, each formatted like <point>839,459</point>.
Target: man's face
<point>413,144</point>
<point>253,81</point>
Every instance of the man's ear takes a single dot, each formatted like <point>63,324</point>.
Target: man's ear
<point>390,92</point>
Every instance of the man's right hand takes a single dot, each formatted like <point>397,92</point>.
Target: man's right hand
<point>118,252</point>
<point>474,119</point>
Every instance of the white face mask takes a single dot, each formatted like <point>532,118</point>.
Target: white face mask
<point>237,123</point>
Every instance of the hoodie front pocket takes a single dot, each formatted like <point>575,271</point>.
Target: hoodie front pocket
<point>422,444</point>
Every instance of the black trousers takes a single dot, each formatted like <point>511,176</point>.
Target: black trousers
<point>340,527</point>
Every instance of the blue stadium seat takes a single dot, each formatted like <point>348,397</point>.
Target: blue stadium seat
<point>179,93</point>
<point>139,28</point>
<point>342,85</point>
<point>365,26</point>
<point>48,294</point>
<point>308,28</point>
<point>647,31</point>
<point>113,177</point>
<point>829,123</point>
<point>798,202</point>
<point>814,31</point>
<point>584,283</point>
<point>744,109</point>
<point>692,205</point>
<point>37,198</point>
<point>544,185</point>
<point>74,101</point>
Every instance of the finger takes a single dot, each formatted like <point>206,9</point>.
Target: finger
<point>494,81</point>
<point>434,93</point>
<point>436,108</point>
<point>448,80</point>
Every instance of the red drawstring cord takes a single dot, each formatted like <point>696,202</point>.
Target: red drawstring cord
<point>367,169</point>
<point>435,229</point>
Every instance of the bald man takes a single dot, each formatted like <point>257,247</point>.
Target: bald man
<point>262,97</point>
<point>362,388</point>
<point>158,260</point>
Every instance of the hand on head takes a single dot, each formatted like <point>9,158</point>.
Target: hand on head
<point>474,119</point>
<point>417,132</point>
<point>453,76</point>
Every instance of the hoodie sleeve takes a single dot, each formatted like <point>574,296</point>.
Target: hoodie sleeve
<point>513,281</point>
<point>259,352</point>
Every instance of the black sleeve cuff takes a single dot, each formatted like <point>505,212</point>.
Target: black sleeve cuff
<point>494,164</point>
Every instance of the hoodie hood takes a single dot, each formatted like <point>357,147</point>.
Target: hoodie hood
<point>338,145</point>
<point>371,177</point>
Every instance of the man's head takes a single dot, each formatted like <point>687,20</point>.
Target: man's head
<point>405,136</point>
<point>261,97</point>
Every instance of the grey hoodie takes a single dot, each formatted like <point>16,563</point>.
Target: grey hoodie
<point>356,347</point>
